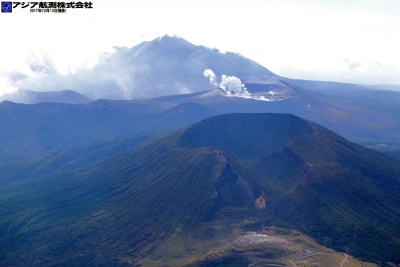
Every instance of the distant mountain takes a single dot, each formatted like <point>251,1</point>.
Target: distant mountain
<point>35,129</point>
<point>368,117</point>
<point>165,66</point>
<point>32,97</point>
<point>158,202</point>
<point>170,65</point>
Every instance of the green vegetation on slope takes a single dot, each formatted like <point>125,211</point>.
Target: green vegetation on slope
<point>121,209</point>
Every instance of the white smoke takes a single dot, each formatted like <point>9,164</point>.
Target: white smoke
<point>232,85</point>
<point>7,87</point>
<point>211,76</point>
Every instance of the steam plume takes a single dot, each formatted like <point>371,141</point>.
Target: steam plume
<point>211,76</point>
<point>232,85</point>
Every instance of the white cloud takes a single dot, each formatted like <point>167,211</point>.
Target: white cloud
<point>302,39</point>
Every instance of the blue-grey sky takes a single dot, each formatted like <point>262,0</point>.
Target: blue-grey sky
<point>341,40</point>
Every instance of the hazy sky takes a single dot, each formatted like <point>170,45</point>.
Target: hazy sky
<point>341,40</point>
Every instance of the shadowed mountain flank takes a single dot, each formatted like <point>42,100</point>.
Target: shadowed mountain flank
<point>270,169</point>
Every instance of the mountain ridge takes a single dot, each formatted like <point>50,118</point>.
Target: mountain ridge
<point>309,178</point>
<point>33,97</point>
<point>164,66</point>
<point>167,65</point>
<point>368,118</point>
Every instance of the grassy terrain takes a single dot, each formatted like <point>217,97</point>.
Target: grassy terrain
<point>185,198</point>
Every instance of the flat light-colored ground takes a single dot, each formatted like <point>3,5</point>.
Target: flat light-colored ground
<point>270,246</point>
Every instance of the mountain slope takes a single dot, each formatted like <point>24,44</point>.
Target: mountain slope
<point>368,117</point>
<point>171,65</point>
<point>164,66</point>
<point>269,169</point>
<point>34,97</point>
<point>167,65</point>
<point>35,129</point>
